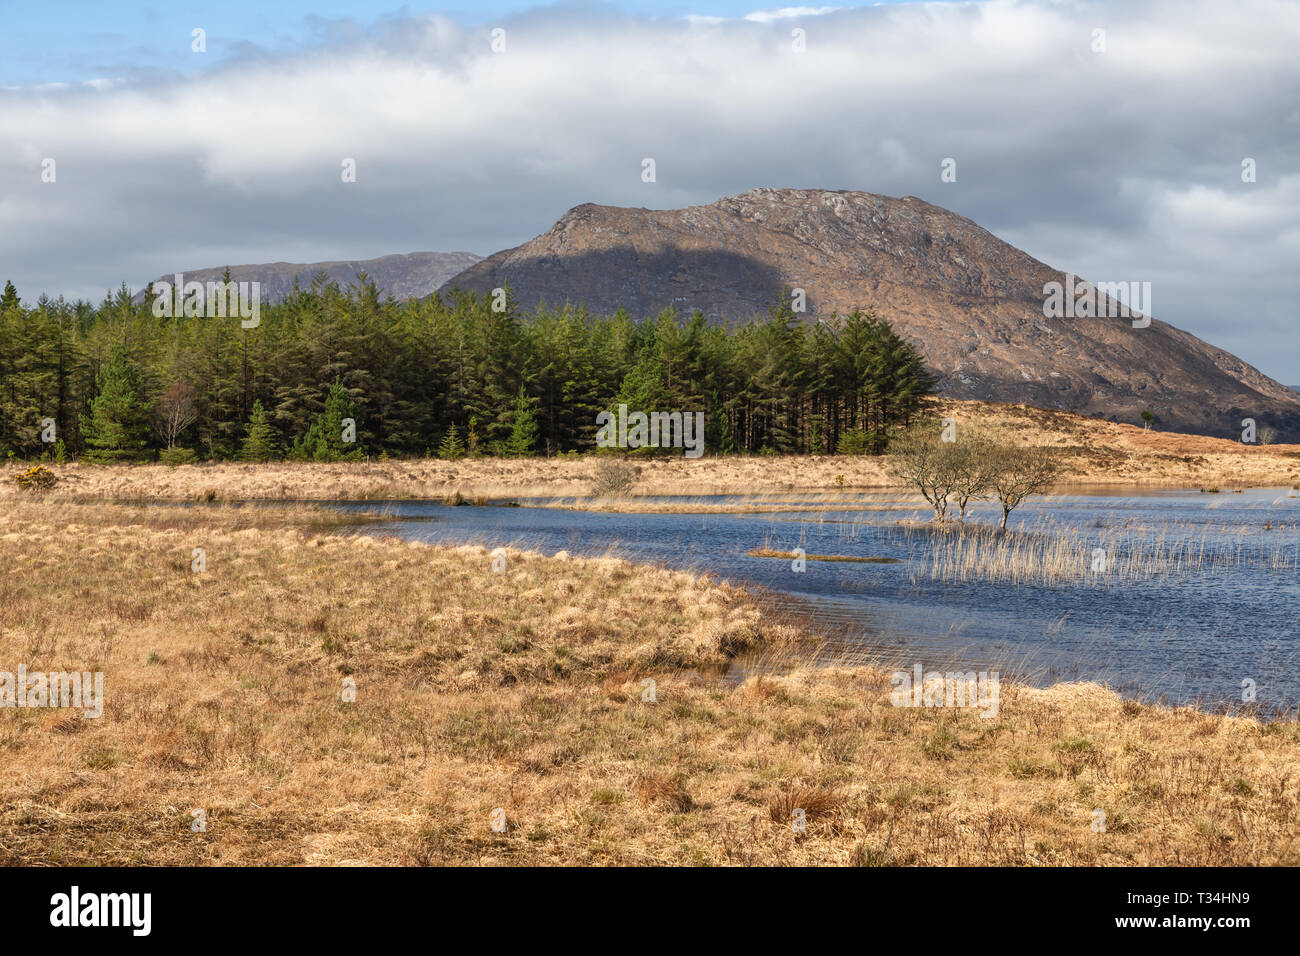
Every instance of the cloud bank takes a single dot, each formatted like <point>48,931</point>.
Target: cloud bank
<point>1116,164</point>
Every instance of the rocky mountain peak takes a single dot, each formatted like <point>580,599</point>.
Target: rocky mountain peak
<point>971,302</point>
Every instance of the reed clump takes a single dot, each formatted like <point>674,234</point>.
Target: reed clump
<point>1054,555</point>
<point>845,558</point>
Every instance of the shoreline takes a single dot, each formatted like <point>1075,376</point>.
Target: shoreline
<point>373,512</point>
<point>561,480</point>
<point>524,691</point>
<point>1094,453</point>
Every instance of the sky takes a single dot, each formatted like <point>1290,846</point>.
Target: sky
<point>1115,155</point>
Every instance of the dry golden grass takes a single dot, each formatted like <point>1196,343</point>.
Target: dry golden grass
<point>1095,452</point>
<point>525,691</point>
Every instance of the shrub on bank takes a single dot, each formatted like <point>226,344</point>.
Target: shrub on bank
<point>36,478</point>
<point>614,479</point>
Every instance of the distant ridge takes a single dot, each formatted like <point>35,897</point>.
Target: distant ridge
<point>405,276</point>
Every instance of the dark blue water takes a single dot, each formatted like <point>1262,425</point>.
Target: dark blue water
<point>1193,635</point>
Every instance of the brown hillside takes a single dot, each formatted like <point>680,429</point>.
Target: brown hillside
<point>971,302</point>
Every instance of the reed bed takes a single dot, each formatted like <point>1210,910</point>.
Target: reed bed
<point>1054,555</point>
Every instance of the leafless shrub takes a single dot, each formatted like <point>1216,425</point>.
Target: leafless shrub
<point>920,458</point>
<point>175,410</point>
<point>1020,472</point>
<point>614,479</point>
<point>976,465</point>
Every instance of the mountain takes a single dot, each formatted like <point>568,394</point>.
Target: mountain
<point>408,276</point>
<point>972,303</point>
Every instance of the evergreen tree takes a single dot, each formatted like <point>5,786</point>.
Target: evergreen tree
<point>118,425</point>
<point>816,440</point>
<point>451,446</point>
<point>523,431</point>
<point>261,443</point>
<point>718,435</point>
<point>472,439</point>
<point>326,438</point>
<point>642,389</point>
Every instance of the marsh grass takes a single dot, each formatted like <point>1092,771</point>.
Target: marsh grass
<point>523,691</point>
<point>1053,554</point>
<point>848,558</point>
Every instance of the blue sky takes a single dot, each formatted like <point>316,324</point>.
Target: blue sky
<point>72,41</point>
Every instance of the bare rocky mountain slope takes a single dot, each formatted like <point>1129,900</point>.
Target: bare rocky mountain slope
<point>972,303</point>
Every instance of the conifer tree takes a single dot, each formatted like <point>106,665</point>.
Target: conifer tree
<point>451,446</point>
<point>523,431</point>
<point>117,427</point>
<point>10,298</point>
<point>472,439</point>
<point>642,389</point>
<point>326,438</point>
<point>260,443</point>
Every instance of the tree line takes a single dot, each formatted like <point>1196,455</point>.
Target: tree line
<point>456,374</point>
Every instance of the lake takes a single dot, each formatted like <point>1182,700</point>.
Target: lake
<point>1209,604</point>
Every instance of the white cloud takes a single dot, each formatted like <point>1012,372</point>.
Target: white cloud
<point>785,13</point>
